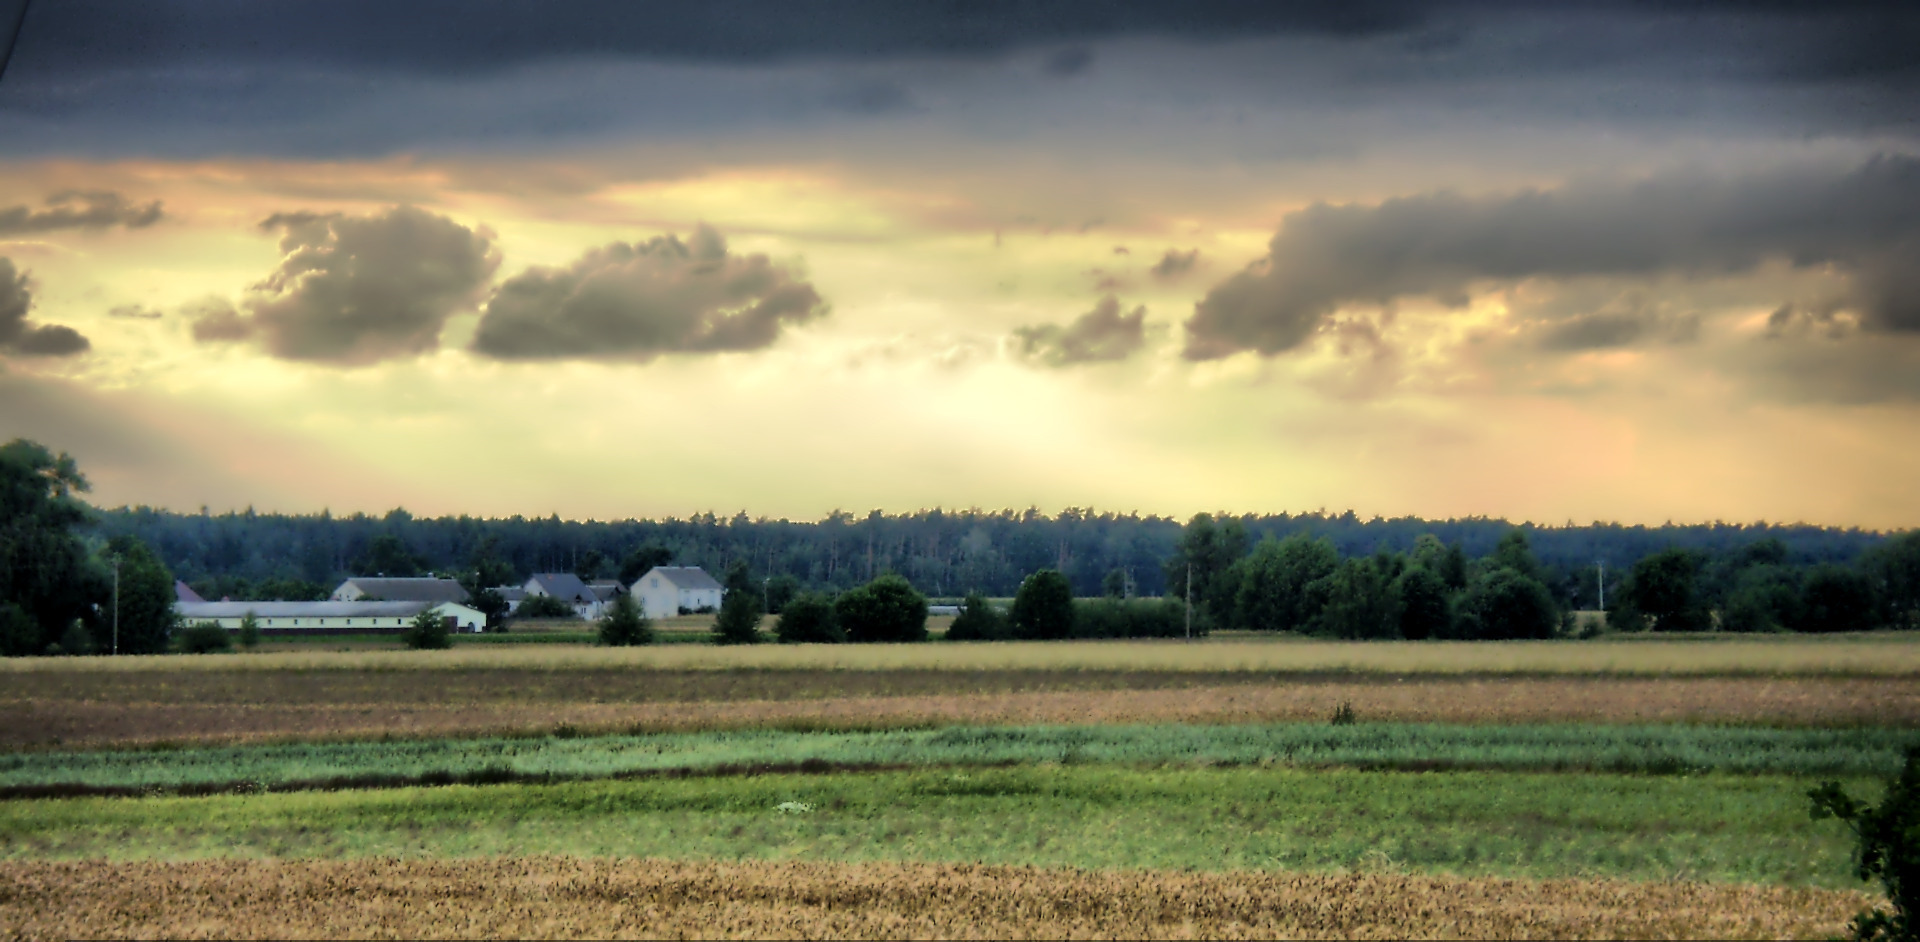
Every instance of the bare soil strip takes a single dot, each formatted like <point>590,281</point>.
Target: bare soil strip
<point>397,704</point>
<point>570,897</point>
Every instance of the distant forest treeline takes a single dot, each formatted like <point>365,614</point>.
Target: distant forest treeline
<point>943,553</point>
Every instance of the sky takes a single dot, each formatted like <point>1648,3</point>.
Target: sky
<point>1632,262</point>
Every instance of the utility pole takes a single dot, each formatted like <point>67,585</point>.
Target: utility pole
<point>1603,585</point>
<point>1189,601</point>
<point>116,605</point>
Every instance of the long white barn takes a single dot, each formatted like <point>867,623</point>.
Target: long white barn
<point>327,616</point>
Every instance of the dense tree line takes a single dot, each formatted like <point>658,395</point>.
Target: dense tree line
<point>945,554</point>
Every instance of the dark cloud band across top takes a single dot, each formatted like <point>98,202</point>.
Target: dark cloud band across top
<point>1864,222</point>
<point>639,300</point>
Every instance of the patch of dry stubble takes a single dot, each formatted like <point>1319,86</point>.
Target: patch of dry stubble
<point>571,897</point>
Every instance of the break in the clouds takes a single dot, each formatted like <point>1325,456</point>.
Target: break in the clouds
<point>354,290</point>
<point>79,210</point>
<point>23,337</point>
<point>1100,335</point>
<point>1863,222</point>
<point>638,300</point>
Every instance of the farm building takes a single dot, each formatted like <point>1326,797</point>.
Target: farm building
<point>568,588</point>
<point>669,590</point>
<point>327,617</point>
<point>383,589</point>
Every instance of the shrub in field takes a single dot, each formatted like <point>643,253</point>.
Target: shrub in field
<point>1043,608</point>
<point>428,631</point>
<point>1835,598</point>
<point>543,606</point>
<point>1502,605</point>
<point>1129,618</point>
<point>203,638</point>
<point>808,619</point>
<point>1888,848</point>
<point>1359,602</point>
<point>624,624</point>
<point>76,639</point>
<point>977,621</point>
<point>740,609</point>
<point>249,634</point>
<point>886,609</point>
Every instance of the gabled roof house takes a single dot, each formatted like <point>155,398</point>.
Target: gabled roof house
<point>664,591</point>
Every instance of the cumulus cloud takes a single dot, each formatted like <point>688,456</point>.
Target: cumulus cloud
<point>1175,263</point>
<point>22,337</point>
<point>354,290</point>
<point>76,209</point>
<point>1863,222</point>
<point>638,300</point>
<point>1100,335</point>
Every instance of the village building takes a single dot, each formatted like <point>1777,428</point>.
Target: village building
<point>669,590</point>
<point>328,617</point>
<point>384,589</point>
<point>568,588</point>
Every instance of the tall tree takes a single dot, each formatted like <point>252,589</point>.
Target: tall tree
<point>1423,604</point>
<point>642,559</point>
<point>44,570</point>
<point>1207,551</point>
<point>1659,594</point>
<point>624,624</point>
<point>886,609</point>
<point>1358,602</point>
<point>146,614</point>
<point>808,619</point>
<point>740,608</point>
<point>1043,608</point>
<point>1274,583</point>
<point>1503,604</point>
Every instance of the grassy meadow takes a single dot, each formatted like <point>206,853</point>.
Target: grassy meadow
<point>1620,770</point>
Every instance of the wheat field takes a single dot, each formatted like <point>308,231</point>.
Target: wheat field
<point>564,897</point>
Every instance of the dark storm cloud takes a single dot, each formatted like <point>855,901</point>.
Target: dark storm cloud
<point>1174,263</point>
<point>638,300</point>
<point>1100,335</point>
<point>79,210</point>
<point>1865,222</point>
<point>22,337</point>
<point>357,289</point>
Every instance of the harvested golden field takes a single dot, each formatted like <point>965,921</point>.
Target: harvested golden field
<point>1875,655</point>
<point>102,709</point>
<point>600,898</point>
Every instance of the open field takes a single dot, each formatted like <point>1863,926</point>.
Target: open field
<point>1717,828</point>
<point>96,709</point>
<point>566,897</point>
<point>1670,749</point>
<point>1866,655</point>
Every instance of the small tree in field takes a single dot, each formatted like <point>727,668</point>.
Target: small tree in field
<point>1889,848</point>
<point>808,619</point>
<point>740,609</point>
<point>249,635</point>
<point>1043,608</point>
<point>888,609</point>
<point>624,624</point>
<point>428,631</point>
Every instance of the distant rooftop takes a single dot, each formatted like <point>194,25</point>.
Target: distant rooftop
<point>684,577</point>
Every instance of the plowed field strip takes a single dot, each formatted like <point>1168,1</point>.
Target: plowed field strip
<point>391,704</point>
<point>598,898</point>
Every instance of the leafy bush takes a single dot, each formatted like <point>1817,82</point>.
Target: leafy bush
<point>808,619</point>
<point>1503,605</point>
<point>1888,848</point>
<point>202,638</point>
<point>739,619</point>
<point>886,609</point>
<point>1835,598</point>
<point>624,624</point>
<point>249,634</point>
<point>1043,608</point>
<point>1424,608</point>
<point>977,621</point>
<point>544,606</point>
<point>1130,618</point>
<point>428,631</point>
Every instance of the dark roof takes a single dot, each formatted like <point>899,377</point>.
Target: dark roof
<point>684,577</point>
<point>408,590</point>
<point>184,593</point>
<point>564,586</point>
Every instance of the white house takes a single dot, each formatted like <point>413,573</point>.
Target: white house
<point>383,589</point>
<point>568,588</point>
<point>327,617</point>
<point>669,590</point>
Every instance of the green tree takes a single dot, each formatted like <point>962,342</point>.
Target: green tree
<point>1659,594</point>
<point>1515,553</point>
<point>1358,602</point>
<point>1424,607</point>
<point>641,560</point>
<point>146,613</point>
<point>544,606</point>
<point>808,619</point>
<point>780,590</point>
<point>1894,568</point>
<point>44,570</point>
<point>1113,585</point>
<point>1211,549</point>
<point>977,621</point>
<point>427,631</point>
<point>249,634</point>
<point>1887,848</point>
<point>388,555</point>
<point>203,637</point>
<point>1274,583</point>
<point>740,609</point>
<point>1043,608</point>
<point>1763,598</point>
<point>624,623</point>
<point>1503,604</point>
<point>886,609</point>
<point>491,603</point>
<point>1835,598</point>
